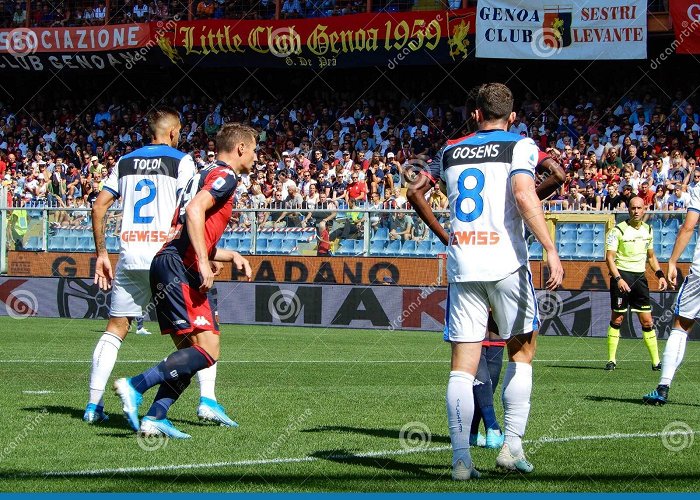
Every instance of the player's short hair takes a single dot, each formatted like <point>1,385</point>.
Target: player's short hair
<point>159,115</point>
<point>232,134</point>
<point>495,101</point>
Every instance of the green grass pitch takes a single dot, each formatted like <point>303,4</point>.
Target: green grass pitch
<point>323,410</point>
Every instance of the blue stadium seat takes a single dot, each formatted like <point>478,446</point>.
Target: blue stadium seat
<point>393,248</point>
<point>598,228</point>
<point>112,243</point>
<point>289,246</point>
<point>566,233</point>
<point>424,248</point>
<point>584,250</point>
<point>584,227</point>
<point>665,252</point>
<point>70,243</point>
<point>688,253</point>
<point>244,245</point>
<point>377,247</point>
<point>567,250</point>
<point>85,244</point>
<point>668,239</point>
<point>278,235</point>
<point>56,243</point>
<point>359,247</point>
<point>274,246</point>
<point>408,248</point>
<point>585,236</point>
<point>261,244</point>
<point>599,238</point>
<point>231,243</point>
<point>439,247</point>
<point>382,233</point>
<point>34,243</point>
<point>535,250</point>
<point>346,247</point>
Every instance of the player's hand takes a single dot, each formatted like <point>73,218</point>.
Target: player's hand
<point>242,265</point>
<point>216,267</point>
<point>207,277</point>
<point>663,284</point>
<point>556,271</point>
<point>103,272</point>
<point>623,286</point>
<point>672,275</point>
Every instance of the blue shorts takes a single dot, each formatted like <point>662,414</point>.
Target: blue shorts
<point>181,308</point>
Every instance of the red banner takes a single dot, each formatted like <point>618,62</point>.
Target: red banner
<point>423,37</point>
<point>685,15</point>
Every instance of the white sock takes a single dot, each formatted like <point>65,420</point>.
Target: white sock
<point>460,411</point>
<point>207,381</point>
<point>517,386</point>
<point>673,355</point>
<point>103,361</point>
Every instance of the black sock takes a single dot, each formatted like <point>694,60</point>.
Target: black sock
<point>168,393</point>
<point>181,364</point>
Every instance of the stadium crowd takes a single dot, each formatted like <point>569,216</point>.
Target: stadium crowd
<point>336,155</point>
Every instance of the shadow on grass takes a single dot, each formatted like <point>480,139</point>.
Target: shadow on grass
<point>383,433</point>
<point>573,367</point>
<point>636,401</point>
<point>115,421</point>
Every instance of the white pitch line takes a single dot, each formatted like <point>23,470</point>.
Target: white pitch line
<point>302,361</point>
<point>370,454</point>
<point>37,392</point>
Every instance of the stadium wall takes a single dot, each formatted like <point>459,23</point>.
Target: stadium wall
<point>578,275</point>
<point>565,313</point>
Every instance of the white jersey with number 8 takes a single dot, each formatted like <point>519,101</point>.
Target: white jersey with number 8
<point>147,181</point>
<point>487,235</point>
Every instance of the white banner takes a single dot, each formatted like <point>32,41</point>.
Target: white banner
<point>541,29</point>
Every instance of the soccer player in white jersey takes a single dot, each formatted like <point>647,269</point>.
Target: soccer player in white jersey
<point>687,308</point>
<point>148,181</point>
<point>490,184</point>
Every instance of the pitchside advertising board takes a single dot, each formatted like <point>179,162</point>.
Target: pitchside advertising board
<point>378,39</point>
<point>565,313</point>
<point>542,29</point>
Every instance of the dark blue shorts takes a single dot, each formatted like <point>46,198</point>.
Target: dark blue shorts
<point>181,308</point>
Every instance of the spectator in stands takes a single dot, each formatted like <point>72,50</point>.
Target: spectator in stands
<point>291,9</point>
<point>141,12</point>
<point>400,226</point>
<point>646,194</point>
<point>679,199</point>
<point>19,17</point>
<point>591,200</point>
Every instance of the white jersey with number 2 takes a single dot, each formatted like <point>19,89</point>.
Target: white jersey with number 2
<point>487,235</point>
<point>147,181</point>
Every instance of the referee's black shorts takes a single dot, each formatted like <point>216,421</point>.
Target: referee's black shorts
<point>637,299</point>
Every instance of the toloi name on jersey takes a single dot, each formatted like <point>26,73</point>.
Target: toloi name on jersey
<point>476,152</point>
<point>145,236</point>
<point>474,238</point>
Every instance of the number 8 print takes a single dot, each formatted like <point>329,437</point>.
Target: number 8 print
<point>473,194</point>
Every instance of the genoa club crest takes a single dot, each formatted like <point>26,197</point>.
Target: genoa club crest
<point>558,22</point>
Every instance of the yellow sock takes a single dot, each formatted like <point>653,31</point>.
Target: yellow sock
<point>613,340</point>
<point>650,341</point>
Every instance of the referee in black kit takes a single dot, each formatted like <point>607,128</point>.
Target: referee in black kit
<point>628,247</point>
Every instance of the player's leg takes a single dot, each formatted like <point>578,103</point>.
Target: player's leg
<point>465,325</point>
<point>618,304</point>
<point>687,306</point>
<point>140,329</point>
<point>640,303</point>
<point>130,291</point>
<point>649,336</point>
<point>514,307</point>
<point>209,409</point>
<point>483,408</point>
<point>104,357</point>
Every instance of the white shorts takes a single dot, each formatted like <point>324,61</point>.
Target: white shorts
<point>131,293</point>
<point>511,300</point>
<point>688,300</point>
